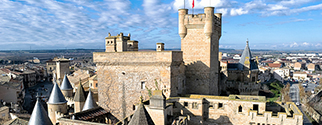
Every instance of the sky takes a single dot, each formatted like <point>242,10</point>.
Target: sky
<point>70,24</point>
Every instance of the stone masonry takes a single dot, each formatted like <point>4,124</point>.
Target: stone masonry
<point>200,36</point>
<point>124,77</point>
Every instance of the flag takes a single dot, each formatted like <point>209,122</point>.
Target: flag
<point>193,3</point>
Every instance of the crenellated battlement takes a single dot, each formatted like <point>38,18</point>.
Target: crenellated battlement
<point>70,101</point>
<point>200,19</point>
<point>292,115</point>
<point>209,21</point>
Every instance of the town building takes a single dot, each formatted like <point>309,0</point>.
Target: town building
<point>242,77</point>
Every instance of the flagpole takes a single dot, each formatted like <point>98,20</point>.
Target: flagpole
<point>184,4</point>
<point>193,6</point>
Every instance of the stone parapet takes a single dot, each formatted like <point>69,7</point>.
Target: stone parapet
<point>138,58</point>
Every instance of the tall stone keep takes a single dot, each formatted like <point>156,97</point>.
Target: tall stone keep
<point>62,68</point>
<point>200,36</point>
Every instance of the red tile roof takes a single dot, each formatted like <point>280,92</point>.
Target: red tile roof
<point>275,65</point>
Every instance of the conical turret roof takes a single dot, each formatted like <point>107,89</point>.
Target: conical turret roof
<point>56,96</point>
<point>90,103</point>
<point>141,116</point>
<point>246,59</point>
<point>80,93</point>
<point>66,84</point>
<point>39,115</point>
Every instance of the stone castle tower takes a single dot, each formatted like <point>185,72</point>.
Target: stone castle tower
<point>120,43</point>
<point>62,68</point>
<point>200,36</point>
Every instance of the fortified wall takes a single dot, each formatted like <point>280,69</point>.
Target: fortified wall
<point>125,76</point>
<point>200,36</point>
<point>235,109</point>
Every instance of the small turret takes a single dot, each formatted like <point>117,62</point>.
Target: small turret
<point>39,115</point>
<point>141,116</point>
<point>160,46</point>
<point>66,87</point>
<point>79,98</point>
<point>209,11</point>
<point>56,103</point>
<point>90,103</point>
<point>182,27</point>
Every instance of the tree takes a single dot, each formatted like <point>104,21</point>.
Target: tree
<point>302,92</point>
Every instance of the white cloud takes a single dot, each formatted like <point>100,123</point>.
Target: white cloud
<point>262,7</point>
<point>224,11</point>
<point>294,45</point>
<point>158,13</point>
<point>200,4</point>
<point>306,44</point>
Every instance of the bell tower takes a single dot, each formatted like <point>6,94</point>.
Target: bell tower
<point>200,34</point>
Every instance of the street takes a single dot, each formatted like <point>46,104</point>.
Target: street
<point>42,89</point>
<point>295,96</point>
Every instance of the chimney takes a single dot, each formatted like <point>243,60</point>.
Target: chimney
<point>160,46</point>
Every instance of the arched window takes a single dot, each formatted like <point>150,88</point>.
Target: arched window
<point>240,108</point>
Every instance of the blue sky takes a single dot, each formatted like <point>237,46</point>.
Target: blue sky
<point>60,24</point>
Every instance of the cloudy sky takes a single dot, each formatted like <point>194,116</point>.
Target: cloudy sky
<point>61,24</point>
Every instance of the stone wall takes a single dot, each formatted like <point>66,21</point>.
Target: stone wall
<point>52,108</point>
<point>235,109</point>
<point>200,45</point>
<point>125,76</point>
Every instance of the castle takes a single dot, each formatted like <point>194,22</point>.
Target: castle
<point>170,87</point>
<point>242,77</point>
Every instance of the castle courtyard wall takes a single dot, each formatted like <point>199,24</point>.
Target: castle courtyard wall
<point>121,76</point>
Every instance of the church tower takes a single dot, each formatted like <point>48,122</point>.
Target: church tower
<point>200,36</point>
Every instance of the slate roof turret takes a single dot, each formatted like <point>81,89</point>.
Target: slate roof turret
<point>141,116</point>
<point>56,96</point>
<point>90,103</point>
<point>80,93</point>
<point>246,59</point>
<point>39,115</point>
<point>66,84</point>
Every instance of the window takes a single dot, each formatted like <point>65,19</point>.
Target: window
<point>211,105</point>
<point>91,85</point>
<point>220,105</point>
<point>159,47</point>
<point>182,83</point>
<point>195,105</point>
<point>185,104</point>
<point>253,79</point>
<point>96,85</point>
<point>240,108</point>
<point>133,107</point>
<point>108,42</point>
<point>111,41</point>
<point>142,85</point>
<point>255,107</point>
